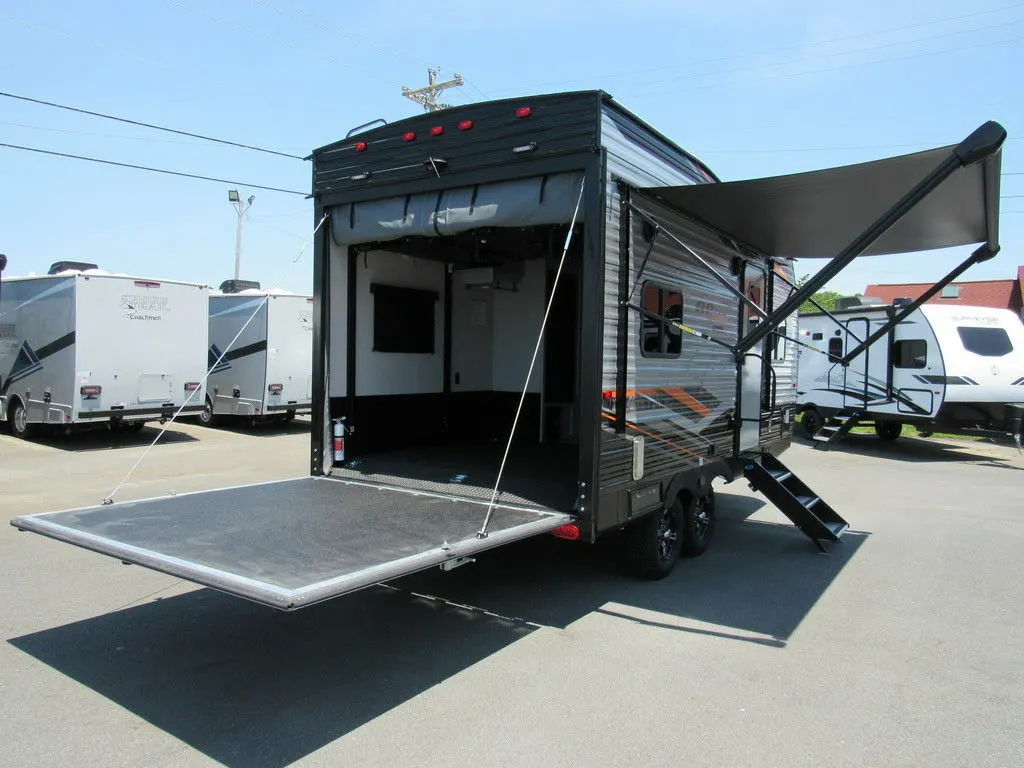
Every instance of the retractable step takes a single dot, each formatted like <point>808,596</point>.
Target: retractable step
<point>828,435</point>
<point>808,511</point>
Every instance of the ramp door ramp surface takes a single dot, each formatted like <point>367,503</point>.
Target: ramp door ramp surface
<point>292,543</point>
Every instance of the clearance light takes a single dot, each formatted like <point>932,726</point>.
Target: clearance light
<point>362,146</point>
<point>275,389</point>
<point>567,531</point>
<point>91,390</point>
<point>191,386</point>
<point>410,136</point>
<point>437,130</point>
<point>524,112</point>
<point>525,147</point>
<point>466,125</point>
<point>147,284</point>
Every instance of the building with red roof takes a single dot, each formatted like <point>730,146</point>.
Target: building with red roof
<point>1000,294</point>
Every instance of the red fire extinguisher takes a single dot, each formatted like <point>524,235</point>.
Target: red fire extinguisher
<point>339,440</point>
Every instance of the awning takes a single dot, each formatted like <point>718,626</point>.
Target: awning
<point>817,214</point>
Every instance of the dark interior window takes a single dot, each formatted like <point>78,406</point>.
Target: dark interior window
<point>658,338</point>
<point>910,353</point>
<point>403,319</point>
<point>835,349</point>
<point>988,342</point>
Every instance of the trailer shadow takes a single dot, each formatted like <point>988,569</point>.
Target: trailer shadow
<point>921,450</point>
<point>105,439</point>
<point>248,686</point>
<point>268,428</point>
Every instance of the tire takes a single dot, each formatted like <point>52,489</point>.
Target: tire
<point>17,420</point>
<point>653,544</point>
<point>289,416</point>
<point>888,430</point>
<point>206,417</point>
<point>810,422</point>
<point>698,524</point>
<point>133,426</point>
<point>924,432</point>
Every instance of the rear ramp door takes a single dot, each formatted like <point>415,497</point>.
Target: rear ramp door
<point>292,543</point>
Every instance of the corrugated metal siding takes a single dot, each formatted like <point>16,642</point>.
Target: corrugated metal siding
<point>784,362</point>
<point>559,124</point>
<point>681,403</point>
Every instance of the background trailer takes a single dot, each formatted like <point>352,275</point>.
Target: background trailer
<point>260,354</point>
<point>82,347</point>
<point>540,315</point>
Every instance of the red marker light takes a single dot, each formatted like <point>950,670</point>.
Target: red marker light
<point>524,112</point>
<point>91,391</point>
<point>410,136</point>
<point>275,389</point>
<point>568,531</point>
<point>466,125</point>
<point>361,146</point>
<point>437,130</point>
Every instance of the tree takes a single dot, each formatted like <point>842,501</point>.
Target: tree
<point>826,299</point>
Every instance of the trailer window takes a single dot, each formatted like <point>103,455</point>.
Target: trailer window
<point>835,349</point>
<point>910,353</point>
<point>657,337</point>
<point>403,319</point>
<point>987,342</point>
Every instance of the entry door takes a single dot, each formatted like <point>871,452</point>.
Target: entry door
<point>855,385</point>
<point>752,369</point>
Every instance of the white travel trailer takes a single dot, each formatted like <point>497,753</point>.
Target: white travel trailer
<point>261,366</point>
<point>80,346</point>
<point>942,369</point>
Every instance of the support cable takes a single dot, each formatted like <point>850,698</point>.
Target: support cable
<point>482,533</point>
<point>109,499</point>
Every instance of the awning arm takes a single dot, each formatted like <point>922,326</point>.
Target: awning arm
<point>832,317</point>
<point>982,253</point>
<point>981,144</point>
<point>723,280</point>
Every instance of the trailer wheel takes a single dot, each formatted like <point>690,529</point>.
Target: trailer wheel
<point>206,417</point>
<point>17,420</point>
<point>924,432</point>
<point>698,524</point>
<point>888,430</point>
<point>133,426</point>
<point>810,422</point>
<point>653,544</point>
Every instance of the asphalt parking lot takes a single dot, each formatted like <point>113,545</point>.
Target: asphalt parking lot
<point>903,647</point>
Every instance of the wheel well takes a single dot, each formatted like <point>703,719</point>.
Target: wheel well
<point>12,400</point>
<point>696,481</point>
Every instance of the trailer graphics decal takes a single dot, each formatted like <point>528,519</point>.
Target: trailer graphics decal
<point>138,307</point>
<point>30,360</point>
<point>232,354</point>
<point>215,361</point>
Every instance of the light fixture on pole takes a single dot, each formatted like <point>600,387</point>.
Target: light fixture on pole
<point>241,207</point>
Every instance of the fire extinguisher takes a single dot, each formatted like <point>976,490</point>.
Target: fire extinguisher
<point>339,440</point>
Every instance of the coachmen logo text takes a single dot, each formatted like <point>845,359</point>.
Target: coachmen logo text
<point>136,307</point>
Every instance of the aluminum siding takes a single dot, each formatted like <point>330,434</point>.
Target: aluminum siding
<point>705,368</point>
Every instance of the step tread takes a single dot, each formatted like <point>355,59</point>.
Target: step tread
<point>808,500</point>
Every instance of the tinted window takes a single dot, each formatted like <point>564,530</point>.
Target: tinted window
<point>989,342</point>
<point>403,319</point>
<point>910,353</point>
<point>657,337</point>
<point>835,349</point>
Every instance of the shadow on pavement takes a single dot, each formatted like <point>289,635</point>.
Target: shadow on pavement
<point>105,439</point>
<point>248,686</point>
<point>921,449</point>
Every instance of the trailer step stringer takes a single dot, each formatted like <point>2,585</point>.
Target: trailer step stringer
<point>808,511</point>
<point>829,434</point>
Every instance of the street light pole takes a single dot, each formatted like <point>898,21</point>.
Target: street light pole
<point>241,207</point>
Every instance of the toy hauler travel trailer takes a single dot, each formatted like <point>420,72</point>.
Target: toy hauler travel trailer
<point>443,243</point>
<point>952,369</point>
<point>260,364</point>
<point>80,347</point>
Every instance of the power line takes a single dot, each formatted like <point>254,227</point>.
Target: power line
<point>154,170</point>
<point>149,125</point>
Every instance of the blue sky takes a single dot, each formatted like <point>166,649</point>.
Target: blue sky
<point>753,88</point>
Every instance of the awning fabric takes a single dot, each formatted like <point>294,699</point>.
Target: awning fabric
<point>817,214</point>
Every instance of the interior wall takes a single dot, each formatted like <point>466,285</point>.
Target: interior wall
<point>472,337</point>
<point>389,373</point>
<point>517,318</point>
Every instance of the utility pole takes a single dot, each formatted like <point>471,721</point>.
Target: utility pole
<point>427,96</point>
<point>241,207</point>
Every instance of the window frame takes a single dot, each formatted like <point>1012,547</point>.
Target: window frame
<point>663,289</point>
<point>897,355</point>
<point>411,337</point>
<point>973,328</point>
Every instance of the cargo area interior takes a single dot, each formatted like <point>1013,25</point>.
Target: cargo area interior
<point>444,331</point>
